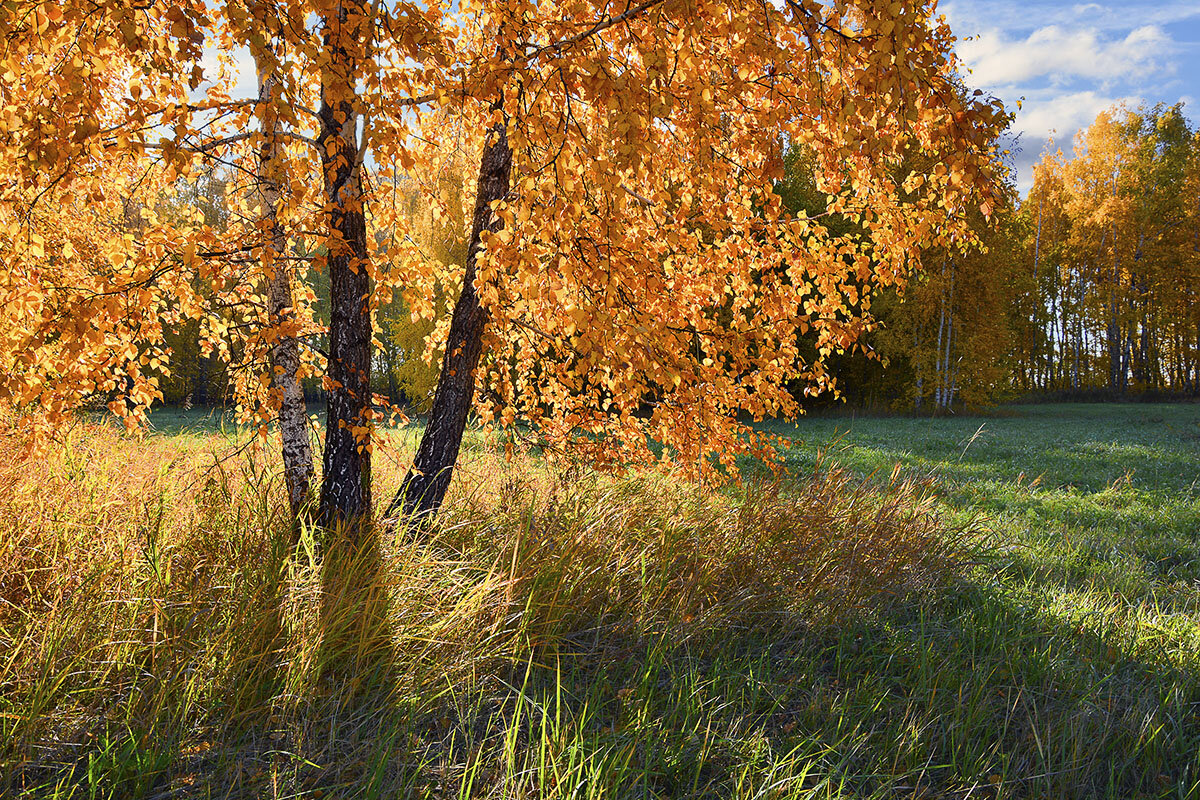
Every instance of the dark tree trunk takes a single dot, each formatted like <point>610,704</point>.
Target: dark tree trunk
<point>1116,355</point>
<point>1113,342</point>
<point>346,482</point>
<point>425,486</point>
<point>200,385</point>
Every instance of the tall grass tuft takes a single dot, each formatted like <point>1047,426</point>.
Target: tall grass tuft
<point>584,562</point>
<point>160,635</point>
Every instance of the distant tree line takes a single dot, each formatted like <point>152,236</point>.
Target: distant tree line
<point>1113,253</point>
<point>942,341</point>
<point>1088,288</point>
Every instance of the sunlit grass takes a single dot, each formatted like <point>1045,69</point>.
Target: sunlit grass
<point>554,634</point>
<point>1013,614</point>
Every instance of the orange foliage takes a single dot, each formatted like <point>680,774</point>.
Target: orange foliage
<point>646,282</point>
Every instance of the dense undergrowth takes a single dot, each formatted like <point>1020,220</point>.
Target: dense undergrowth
<point>554,635</point>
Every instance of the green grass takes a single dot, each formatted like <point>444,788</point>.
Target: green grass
<point>1080,628</point>
<point>576,637</point>
<point>1076,494</point>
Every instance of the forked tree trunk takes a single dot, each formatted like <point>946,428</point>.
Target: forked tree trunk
<point>285,351</point>
<point>346,482</point>
<point>425,486</point>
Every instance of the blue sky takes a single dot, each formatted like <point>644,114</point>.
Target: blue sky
<point>1071,60</point>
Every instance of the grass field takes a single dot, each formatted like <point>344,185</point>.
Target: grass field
<point>1078,496</point>
<point>1014,613</point>
<point>1078,636</point>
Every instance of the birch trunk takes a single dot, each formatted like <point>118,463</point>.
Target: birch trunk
<point>1036,366</point>
<point>285,350</point>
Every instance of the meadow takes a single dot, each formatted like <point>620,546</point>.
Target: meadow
<point>998,606</point>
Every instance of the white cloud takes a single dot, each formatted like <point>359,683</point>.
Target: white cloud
<point>1061,55</point>
<point>1070,59</point>
<point>1061,115</point>
<point>1056,117</point>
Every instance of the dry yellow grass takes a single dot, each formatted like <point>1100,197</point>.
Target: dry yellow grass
<point>158,633</point>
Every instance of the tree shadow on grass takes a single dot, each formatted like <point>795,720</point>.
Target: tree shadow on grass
<point>975,692</point>
<point>327,715</point>
<point>977,695</point>
<point>178,669</point>
<point>1082,446</point>
<point>1087,468</point>
<point>971,688</point>
<point>274,675</point>
<point>238,666</point>
<point>343,718</point>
